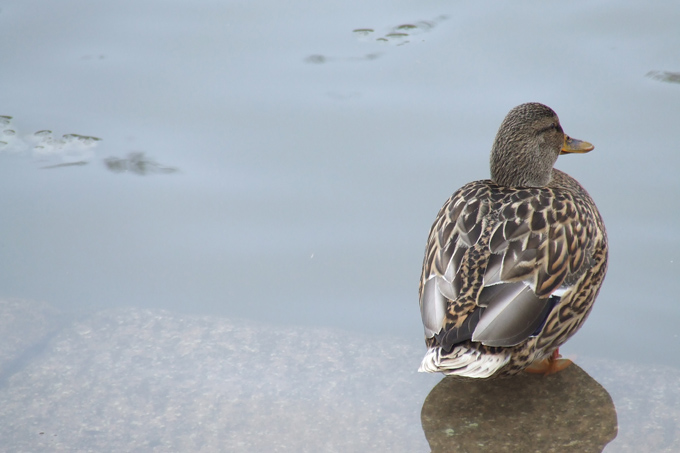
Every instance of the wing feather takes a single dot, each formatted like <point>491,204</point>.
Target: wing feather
<point>508,251</point>
<point>514,312</point>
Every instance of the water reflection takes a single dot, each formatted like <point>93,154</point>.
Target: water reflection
<point>72,150</point>
<point>44,146</point>
<point>79,163</point>
<point>665,76</point>
<point>136,163</point>
<point>568,411</point>
<point>321,59</point>
<point>399,34</point>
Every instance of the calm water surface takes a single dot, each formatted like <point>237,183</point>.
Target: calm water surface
<point>282,162</point>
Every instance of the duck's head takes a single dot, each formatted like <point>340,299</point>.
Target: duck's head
<point>527,145</point>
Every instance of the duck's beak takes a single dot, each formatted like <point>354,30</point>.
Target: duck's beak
<point>572,145</point>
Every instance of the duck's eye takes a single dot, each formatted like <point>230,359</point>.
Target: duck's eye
<point>553,126</point>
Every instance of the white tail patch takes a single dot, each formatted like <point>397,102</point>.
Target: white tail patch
<point>463,362</point>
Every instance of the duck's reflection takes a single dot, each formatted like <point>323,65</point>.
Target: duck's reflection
<point>568,411</point>
<point>136,163</point>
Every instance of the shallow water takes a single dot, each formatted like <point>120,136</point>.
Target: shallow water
<point>266,161</point>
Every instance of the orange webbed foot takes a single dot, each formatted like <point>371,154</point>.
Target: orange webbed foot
<point>551,365</point>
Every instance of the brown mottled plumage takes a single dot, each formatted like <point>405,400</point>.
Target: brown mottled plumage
<point>513,264</point>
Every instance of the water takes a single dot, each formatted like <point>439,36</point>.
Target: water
<point>267,162</point>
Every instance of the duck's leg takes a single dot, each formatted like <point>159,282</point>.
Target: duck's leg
<point>551,365</point>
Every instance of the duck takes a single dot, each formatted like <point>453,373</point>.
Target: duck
<point>514,263</point>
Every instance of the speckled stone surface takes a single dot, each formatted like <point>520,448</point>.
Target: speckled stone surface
<point>137,380</point>
<point>141,380</point>
<point>25,328</point>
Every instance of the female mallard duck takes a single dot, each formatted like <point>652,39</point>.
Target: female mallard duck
<point>513,264</point>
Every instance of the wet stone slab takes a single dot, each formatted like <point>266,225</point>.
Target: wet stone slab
<point>565,412</point>
<point>141,380</point>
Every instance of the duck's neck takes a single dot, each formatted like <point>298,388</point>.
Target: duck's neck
<point>520,165</point>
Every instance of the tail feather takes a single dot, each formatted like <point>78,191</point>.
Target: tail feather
<point>462,361</point>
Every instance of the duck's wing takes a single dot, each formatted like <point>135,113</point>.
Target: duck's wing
<point>456,229</point>
<point>496,260</point>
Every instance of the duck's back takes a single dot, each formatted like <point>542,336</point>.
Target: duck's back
<point>502,263</point>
